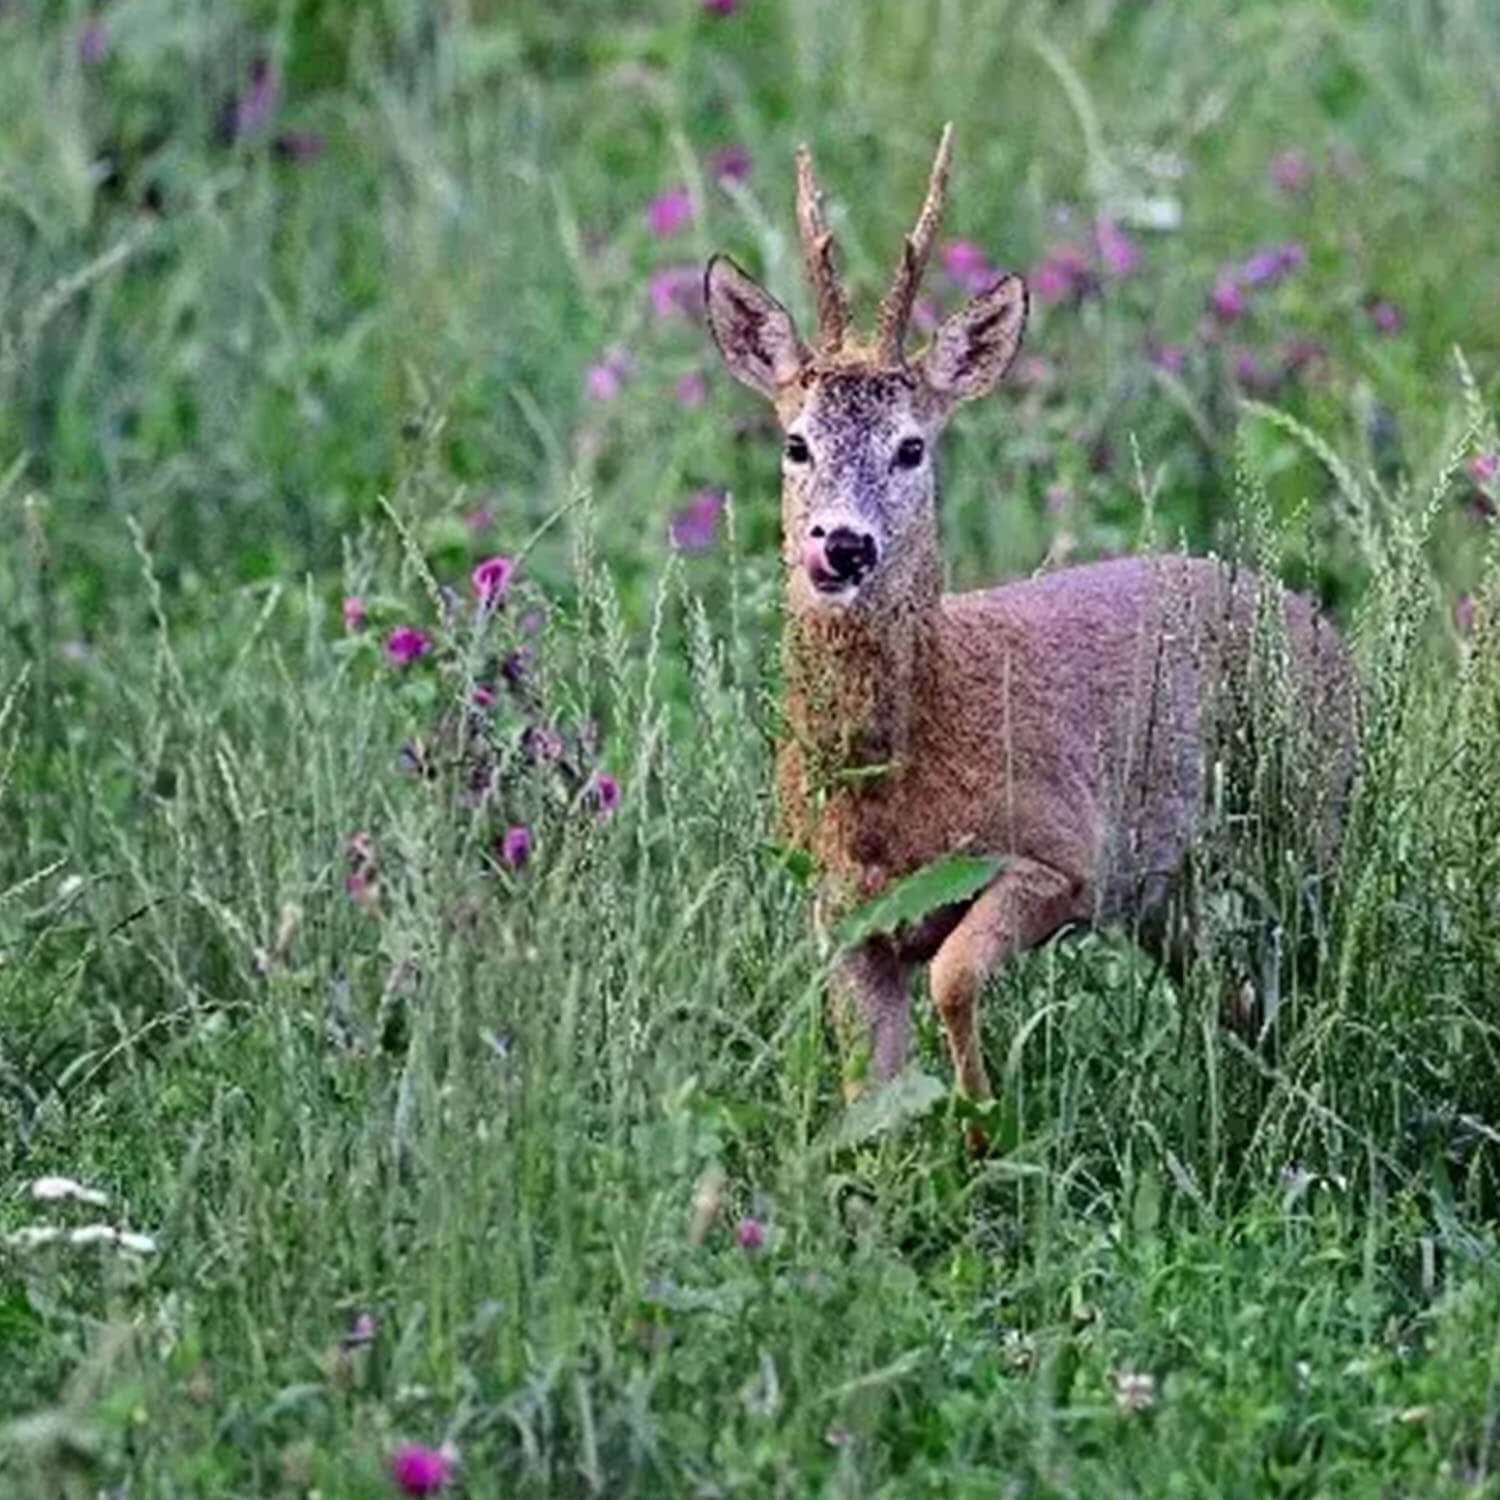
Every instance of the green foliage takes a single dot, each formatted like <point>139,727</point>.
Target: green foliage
<point>437,1144</point>
<point>945,882</point>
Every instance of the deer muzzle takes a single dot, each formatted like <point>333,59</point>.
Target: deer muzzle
<point>839,558</point>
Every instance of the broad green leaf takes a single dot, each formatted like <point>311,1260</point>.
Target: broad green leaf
<point>954,877</point>
<point>908,1096</point>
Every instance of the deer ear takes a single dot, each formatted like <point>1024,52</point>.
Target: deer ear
<point>974,348</point>
<point>754,332</point>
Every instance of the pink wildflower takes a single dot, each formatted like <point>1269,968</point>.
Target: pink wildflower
<point>354,612</point>
<point>605,378</point>
<point>924,315</point>
<point>1289,171</point>
<point>1385,315</point>
<point>491,578</point>
<point>516,845</point>
<point>730,163</point>
<point>406,643</point>
<point>606,794</point>
<point>1463,614</point>
<point>253,108</point>
<point>694,526</point>
<point>676,289</point>
<point>483,696</point>
<point>750,1233</point>
<point>298,145</point>
<point>1169,357</point>
<point>721,7</point>
<point>1064,273</point>
<point>1249,371</point>
<point>1270,263</point>
<point>668,212</point>
<point>92,44</point>
<point>691,389</point>
<point>419,1470</point>
<point>1484,468</point>
<point>1117,250</point>
<point>968,265</point>
<point>1226,300</point>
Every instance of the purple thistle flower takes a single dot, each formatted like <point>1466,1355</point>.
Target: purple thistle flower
<point>419,1470</point>
<point>517,666</point>
<point>540,744</point>
<point>298,145</point>
<point>354,612</point>
<point>406,643</point>
<point>1117,250</point>
<point>1289,171</point>
<point>1270,263</point>
<point>676,289</point>
<point>516,846</point>
<point>694,526</point>
<point>750,1233</point>
<point>721,7</point>
<point>93,42</point>
<point>691,389</point>
<point>1063,273</point>
<point>1463,614</point>
<point>968,265</point>
<point>1249,371</point>
<point>606,794</point>
<point>730,163</point>
<point>668,212</point>
<point>1385,315</point>
<point>1226,300</point>
<point>253,108</point>
<point>605,378</point>
<point>1484,468</point>
<point>491,578</point>
<point>1169,357</point>
<point>482,696</point>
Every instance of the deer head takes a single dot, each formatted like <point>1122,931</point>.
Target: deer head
<point>859,525</point>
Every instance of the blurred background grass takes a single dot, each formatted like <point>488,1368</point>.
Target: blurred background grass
<point>303,302</point>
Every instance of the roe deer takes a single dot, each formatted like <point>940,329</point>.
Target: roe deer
<point>1061,722</point>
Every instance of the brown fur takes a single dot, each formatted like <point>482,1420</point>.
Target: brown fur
<point>1062,723</point>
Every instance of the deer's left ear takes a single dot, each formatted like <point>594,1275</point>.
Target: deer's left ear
<point>754,332</point>
<point>974,348</point>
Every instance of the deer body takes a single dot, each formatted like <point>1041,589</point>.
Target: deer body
<point>1061,723</point>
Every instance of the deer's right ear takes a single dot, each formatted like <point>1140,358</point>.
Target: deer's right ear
<point>754,332</point>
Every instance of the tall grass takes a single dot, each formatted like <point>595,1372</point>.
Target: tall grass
<point>436,1146</point>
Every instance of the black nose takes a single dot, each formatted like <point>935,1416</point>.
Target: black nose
<point>849,554</point>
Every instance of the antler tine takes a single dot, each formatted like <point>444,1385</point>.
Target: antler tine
<point>817,256</point>
<point>895,308</point>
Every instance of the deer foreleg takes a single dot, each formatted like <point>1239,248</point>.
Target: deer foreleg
<point>1026,903</point>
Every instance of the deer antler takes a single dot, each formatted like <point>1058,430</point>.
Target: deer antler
<point>817,256</point>
<point>895,308</point>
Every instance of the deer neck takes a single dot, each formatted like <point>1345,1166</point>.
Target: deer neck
<point>855,679</point>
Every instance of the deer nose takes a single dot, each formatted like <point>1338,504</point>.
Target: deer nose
<point>849,554</point>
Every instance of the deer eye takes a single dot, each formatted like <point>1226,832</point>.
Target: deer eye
<point>909,452</point>
<point>796,449</point>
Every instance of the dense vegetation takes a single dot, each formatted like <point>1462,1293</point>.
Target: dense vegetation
<point>399,938</point>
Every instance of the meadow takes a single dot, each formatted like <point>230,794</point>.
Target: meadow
<point>412,1043</point>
